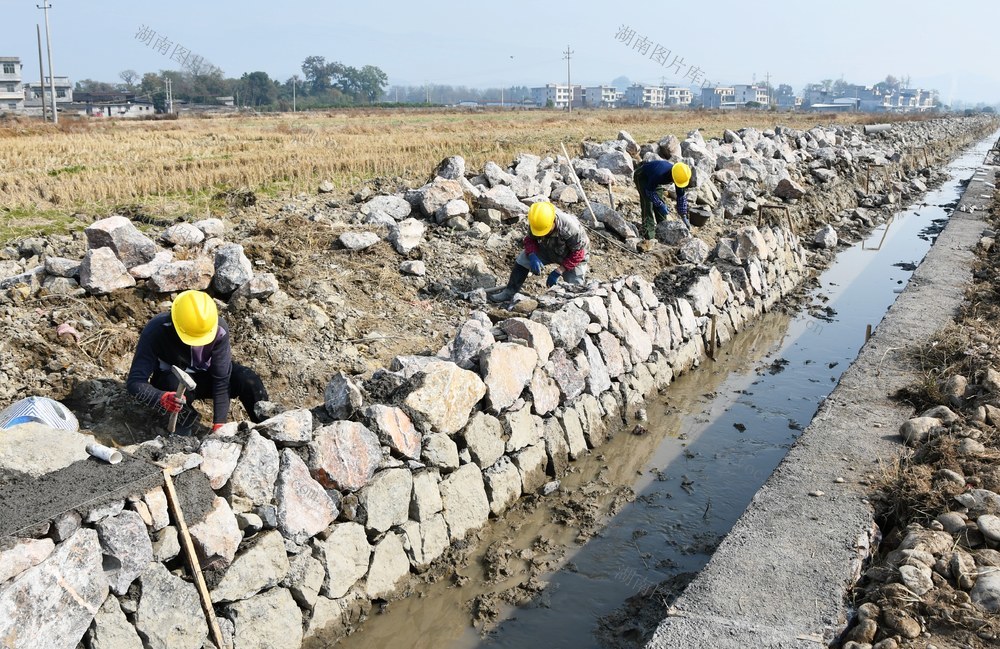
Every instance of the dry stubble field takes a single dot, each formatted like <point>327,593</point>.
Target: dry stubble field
<point>174,167</point>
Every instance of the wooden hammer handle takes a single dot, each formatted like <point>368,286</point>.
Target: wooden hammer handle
<point>172,424</point>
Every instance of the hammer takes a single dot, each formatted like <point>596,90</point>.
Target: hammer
<point>184,382</point>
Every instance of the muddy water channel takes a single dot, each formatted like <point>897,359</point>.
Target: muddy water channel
<point>664,499</point>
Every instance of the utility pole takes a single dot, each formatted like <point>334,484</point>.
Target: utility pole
<point>568,54</point>
<point>169,87</point>
<point>52,79</point>
<point>41,70</point>
<point>767,84</point>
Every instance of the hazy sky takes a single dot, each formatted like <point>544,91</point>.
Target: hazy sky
<point>949,46</point>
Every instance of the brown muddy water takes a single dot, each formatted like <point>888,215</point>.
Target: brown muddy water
<point>646,508</point>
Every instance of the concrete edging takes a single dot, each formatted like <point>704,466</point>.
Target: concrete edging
<point>781,576</point>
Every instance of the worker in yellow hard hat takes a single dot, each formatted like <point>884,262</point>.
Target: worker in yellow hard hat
<point>193,337</point>
<point>553,238</point>
<point>650,177</point>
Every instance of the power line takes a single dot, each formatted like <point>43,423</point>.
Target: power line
<point>568,54</point>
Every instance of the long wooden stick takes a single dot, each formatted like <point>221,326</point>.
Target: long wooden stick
<point>199,579</point>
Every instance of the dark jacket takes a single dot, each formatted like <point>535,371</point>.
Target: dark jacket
<point>567,242</point>
<point>654,174</point>
<point>159,347</point>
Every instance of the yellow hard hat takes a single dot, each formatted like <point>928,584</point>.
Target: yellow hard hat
<point>542,218</point>
<point>681,173</point>
<point>195,318</point>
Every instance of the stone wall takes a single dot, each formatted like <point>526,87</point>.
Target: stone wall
<point>302,521</point>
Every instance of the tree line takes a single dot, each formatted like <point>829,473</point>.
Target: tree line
<point>322,84</point>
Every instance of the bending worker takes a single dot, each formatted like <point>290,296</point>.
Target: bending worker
<point>194,338</point>
<point>553,238</point>
<point>649,177</point>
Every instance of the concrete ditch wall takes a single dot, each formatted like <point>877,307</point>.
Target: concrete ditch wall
<point>301,527</point>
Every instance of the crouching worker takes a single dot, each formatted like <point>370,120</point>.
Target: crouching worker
<point>649,178</point>
<point>195,339</point>
<point>553,238</point>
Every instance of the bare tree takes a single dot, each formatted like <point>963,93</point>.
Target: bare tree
<point>129,77</point>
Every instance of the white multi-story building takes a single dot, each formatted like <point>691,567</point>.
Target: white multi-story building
<point>33,91</point>
<point>645,96</point>
<point>555,95</point>
<point>11,90</point>
<point>718,97</point>
<point>744,94</point>
<point>601,97</point>
<point>678,96</point>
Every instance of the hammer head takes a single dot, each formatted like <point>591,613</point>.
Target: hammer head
<point>183,377</point>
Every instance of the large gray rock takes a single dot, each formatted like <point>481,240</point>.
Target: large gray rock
<point>535,334</point>
<point>484,439</point>
<point>671,232</point>
<point>304,507</point>
<point>395,430</point>
<point>188,274</point>
<point>289,428</point>
<point>211,227</point>
<point>440,451</point>
<point>395,207</point>
<point>617,162</point>
<point>425,500</point>
<point>522,429</point>
<point>271,620</point>
<point>127,549</point>
<point>986,593</point>
<point>304,579</point>
<point>425,541</point>
<point>342,397</point>
<point>599,379</point>
<point>444,397</point>
<point>389,566</point>
<point>232,268</point>
<point>470,340</point>
<point>439,192</point>
<point>556,446</point>
<point>504,199</point>
<point>183,234</point>
<point>220,457</point>
<point>102,273</point>
<point>569,378</point>
<point>506,370</point>
<point>573,427</point>
<point>612,353</point>
<point>789,189</point>
<point>530,463</point>
<point>17,555</point>
<point>36,449</point>
<point>125,241</point>
<point>452,168</point>
<point>918,430</point>
<point>357,241</point>
<point>693,251</point>
<point>466,507</point>
<point>406,235</point>
<point>567,325</point>
<point>111,629</point>
<point>344,455</point>
<point>59,267</point>
<point>169,615</point>
<point>256,471</point>
<point>345,555</point>
<point>826,237</point>
<point>53,603</point>
<point>614,220</point>
<point>260,565</point>
<point>218,536</point>
<point>544,392</point>
<point>386,499</point>
<point>503,485</point>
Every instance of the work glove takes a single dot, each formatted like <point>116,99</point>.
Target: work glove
<point>216,427</point>
<point>553,278</point>
<point>535,263</point>
<point>170,402</point>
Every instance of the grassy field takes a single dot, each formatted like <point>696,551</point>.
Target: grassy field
<point>175,167</point>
